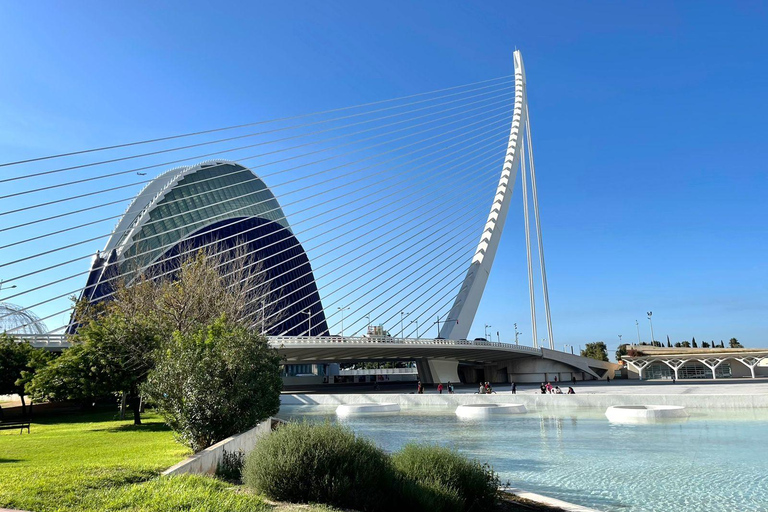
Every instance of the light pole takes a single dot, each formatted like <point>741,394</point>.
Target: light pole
<point>368,316</point>
<point>638,331</point>
<point>517,334</point>
<point>438,326</point>
<point>10,287</point>
<point>564,347</point>
<point>342,318</point>
<point>417,327</point>
<point>650,314</point>
<point>486,331</point>
<point>309,321</point>
<point>403,314</point>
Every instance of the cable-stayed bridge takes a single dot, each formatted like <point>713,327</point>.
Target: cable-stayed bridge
<point>358,226</point>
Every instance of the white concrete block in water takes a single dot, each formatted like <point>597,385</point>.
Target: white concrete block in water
<point>645,413</point>
<point>366,408</point>
<point>474,411</point>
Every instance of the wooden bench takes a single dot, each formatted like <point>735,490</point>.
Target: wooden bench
<point>12,425</point>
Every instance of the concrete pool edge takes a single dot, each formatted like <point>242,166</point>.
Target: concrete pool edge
<point>757,401</point>
<point>547,501</point>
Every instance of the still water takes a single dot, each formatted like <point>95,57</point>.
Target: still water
<point>714,461</point>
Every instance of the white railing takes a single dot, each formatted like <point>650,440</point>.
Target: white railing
<point>349,340</point>
<point>43,340</point>
<point>381,371</point>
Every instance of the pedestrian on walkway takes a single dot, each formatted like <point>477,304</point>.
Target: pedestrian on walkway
<point>440,388</point>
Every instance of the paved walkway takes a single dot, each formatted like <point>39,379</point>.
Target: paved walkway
<point>616,387</point>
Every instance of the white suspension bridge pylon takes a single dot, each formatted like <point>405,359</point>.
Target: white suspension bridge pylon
<point>385,200</point>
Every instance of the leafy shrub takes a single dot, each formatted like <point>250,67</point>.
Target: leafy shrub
<point>215,382</point>
<point>440,479</point>
<point>231,466</point>
<point>321,463</point>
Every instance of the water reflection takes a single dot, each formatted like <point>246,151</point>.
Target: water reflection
<point>708,463</point>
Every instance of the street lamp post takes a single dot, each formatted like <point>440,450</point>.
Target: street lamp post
<point>517,334</point>
<point>650,314</point>
<point>638,331</point>
<point>486,331</point>
<point>403,314</point>
<point>342,318</point>
<point>10,287</point>
<point>417,327</point>
<point>368,316</point>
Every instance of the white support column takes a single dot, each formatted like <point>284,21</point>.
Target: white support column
<point>675,364</point>
<point>524,185</point>
<point>712,363</point>
<point>538,230</point>
<point>749,362</point>
<point>640,366</point>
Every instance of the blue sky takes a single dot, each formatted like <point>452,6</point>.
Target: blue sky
<point>649,126</point>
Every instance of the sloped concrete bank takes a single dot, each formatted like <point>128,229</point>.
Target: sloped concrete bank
<point>205,462</point>
<point>533,401</point>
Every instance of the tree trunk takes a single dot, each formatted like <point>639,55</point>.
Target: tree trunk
<point>23,405</point>
<point>136,406</point>
<point>123,402</point>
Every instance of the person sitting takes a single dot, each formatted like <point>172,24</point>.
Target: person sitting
<point>558,391</point>
<point>481,389</point>
<point>571,391</point>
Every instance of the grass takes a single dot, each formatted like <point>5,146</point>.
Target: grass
<point>93,462</point>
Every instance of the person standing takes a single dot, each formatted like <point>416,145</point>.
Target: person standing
<point>514,388</point>
<point>440,388</point>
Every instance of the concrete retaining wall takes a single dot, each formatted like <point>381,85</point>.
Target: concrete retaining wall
<point>206,461</point>
<point>537,400</point>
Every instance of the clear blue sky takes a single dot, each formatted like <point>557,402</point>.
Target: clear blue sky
<point>649,123</point>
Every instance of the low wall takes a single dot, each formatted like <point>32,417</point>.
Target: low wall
<point>536,400</point>
<point>206,461</point>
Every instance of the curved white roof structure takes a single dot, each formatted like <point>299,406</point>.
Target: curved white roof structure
<point>184,200</point>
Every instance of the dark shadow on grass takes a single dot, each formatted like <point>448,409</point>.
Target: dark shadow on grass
<point>154,426</point>
<point>4,461</point>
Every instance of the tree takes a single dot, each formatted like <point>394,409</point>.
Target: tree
<point>704,344</point>
<point>668,343</point>
<point>18,363</point>
<point>722,345</point>
<point>693,343</point>
<point>118,339</point>
<point>215,382</point>
<point>111,354</point>
<point>596,350</point>
<point>734,343</point>
<point>621,351</point>
<point>685,344</point>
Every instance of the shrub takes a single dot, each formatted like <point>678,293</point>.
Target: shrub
<point>441,479</point>
<point>216,382</point>
<point>322,463</point>
<point>231,466</point>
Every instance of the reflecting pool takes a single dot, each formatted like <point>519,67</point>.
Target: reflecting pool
<point>714,461</point>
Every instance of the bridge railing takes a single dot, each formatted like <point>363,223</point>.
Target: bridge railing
<point>379,340</point>
<point>43,340</point>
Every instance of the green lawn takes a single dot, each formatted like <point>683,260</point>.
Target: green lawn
<point>92,462</point>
